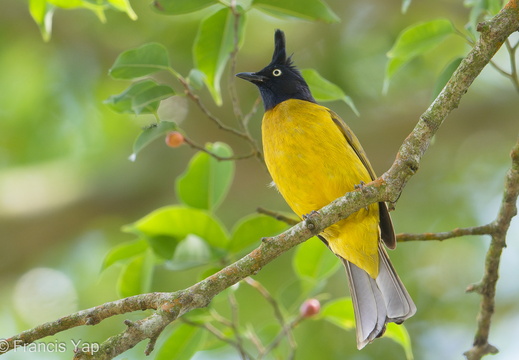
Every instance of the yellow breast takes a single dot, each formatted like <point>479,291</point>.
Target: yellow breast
<point>312,164</point>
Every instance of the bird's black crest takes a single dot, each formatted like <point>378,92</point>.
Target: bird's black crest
<point>280,55</point>
<point>280,80</point>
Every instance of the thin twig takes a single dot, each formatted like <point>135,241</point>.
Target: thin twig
<point>266,295</point>
<point>465,37</point>
<point>201,106</point>
<point>216,156</point>
<point>221,319</point>
<point>233,56</point>
<point>243,121</point>
<point>235,324</point>
<point>211,329</point>
<point>513,65</point>
<point>254,338</point>
<point>500,69</point>
<point>278,216</point>
<point>512,75</point>
<point>440,236</point>
<point>250,114</point>
<point>286,329</point>
<point>220,336</point>
<point>244,135</point>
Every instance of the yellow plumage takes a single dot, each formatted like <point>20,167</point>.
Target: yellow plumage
<point>305,149</point>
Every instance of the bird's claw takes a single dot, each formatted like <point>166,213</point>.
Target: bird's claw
<point>311,213</point>
<point>360,186</point>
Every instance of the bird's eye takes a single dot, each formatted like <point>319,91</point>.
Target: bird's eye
<point>276,72</point>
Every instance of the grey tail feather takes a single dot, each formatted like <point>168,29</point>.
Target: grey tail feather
<point>377,301</point>
<point>368,304</point>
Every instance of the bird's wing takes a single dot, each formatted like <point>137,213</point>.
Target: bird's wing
<point>386,225</point>
<point>354,142</point>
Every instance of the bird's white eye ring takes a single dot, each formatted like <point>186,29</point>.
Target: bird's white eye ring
<point>276,72</point>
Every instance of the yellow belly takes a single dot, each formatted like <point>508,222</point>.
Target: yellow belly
<point>312,164</point>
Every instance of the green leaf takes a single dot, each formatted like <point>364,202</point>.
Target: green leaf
<point>42,12</point>
<point>163,246</point>
<point>196,79</point>
<point>177,222</point>
<point>124,6</point>
<point>314,261</point>
<point>99,10</point>
<point>135,277</point>
<point>405,5</point>
<point>148,100</point>
<point>250,229</point>
<point>340,313</point>
<point>392,66</point>
<point>213,46</point>
<point>324,90</point>
<point>144,60</point>
<point>122,103</point>
<point>178,7</point>
<point>66,4</point>
<point>445,76</point>
<point>206,181</point>
<point>150,134</point>
<point>38,9</point>
<point>124,251</point>
<point>399,334</point>
<point>190,252</point>
<point>140,97</point>
<point>414,41</point>
<point>182,344</point>
<point>313,10</point>
<point>419,38</point>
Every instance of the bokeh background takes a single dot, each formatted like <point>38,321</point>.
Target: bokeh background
<point>67,186</point>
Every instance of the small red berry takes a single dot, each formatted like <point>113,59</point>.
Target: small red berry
<point>310,308</point>
<point>174,139</point>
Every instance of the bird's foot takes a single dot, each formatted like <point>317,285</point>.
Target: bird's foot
<point>308,219</point>
<point>311,213</point>
<point>360,186</point>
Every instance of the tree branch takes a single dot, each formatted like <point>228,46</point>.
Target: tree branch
<point>440,236</point>
<point>170,306</point>
<point>487,287</point>
<point>214,155</point>
<point>289,220</point>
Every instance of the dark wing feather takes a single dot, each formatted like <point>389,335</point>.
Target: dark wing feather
<point>386,225</point>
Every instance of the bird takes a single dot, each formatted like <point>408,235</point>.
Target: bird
<point>314,158</point>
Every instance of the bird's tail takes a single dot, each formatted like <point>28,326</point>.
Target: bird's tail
<point>377,301</point>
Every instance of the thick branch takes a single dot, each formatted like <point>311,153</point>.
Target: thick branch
<point>90,316</point>
<point>493,34</point>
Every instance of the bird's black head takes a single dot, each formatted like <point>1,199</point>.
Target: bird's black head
<point>279,80</point>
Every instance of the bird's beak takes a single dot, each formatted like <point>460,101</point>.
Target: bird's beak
<point>250,76</point>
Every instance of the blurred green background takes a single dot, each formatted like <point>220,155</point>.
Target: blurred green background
<point>67,186</point>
